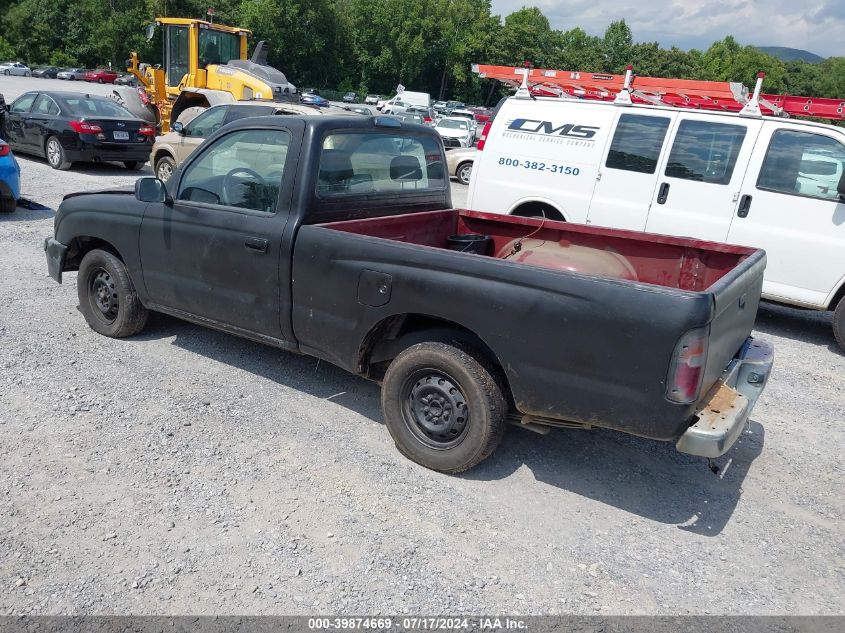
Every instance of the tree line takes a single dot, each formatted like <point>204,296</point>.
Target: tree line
<point>372,45</point>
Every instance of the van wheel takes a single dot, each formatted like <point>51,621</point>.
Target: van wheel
<point>107,297</point>
<point>538,210</point>
<point>464,173</point>
<point>443,407</point>
<point>839,324</point>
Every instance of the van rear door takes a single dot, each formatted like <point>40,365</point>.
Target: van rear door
<point>628,175</point>
<point>701,176</point>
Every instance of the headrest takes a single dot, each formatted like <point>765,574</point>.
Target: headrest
<point>405,168</point>
<point>335,166</point>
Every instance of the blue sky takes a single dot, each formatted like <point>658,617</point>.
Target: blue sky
<point>814,25</point>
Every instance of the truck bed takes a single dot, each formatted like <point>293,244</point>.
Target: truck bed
<point>574,346</point>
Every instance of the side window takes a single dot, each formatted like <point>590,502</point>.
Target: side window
<point>45,105</point>
<point>23,104</point>
<point>359,163</point>
<point>637,142</point>
<point>802,163</point>
<point>705,151</point>
<point>243,169</point>
<point>206,123</point>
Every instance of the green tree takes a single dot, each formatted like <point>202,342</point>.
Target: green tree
<point>618,43</point>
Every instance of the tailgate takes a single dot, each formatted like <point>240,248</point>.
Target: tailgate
<point>736,297</point>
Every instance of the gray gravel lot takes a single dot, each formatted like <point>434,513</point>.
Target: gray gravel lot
<point>188,471</point>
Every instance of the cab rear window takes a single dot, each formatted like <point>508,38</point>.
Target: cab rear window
<point>353,163</point>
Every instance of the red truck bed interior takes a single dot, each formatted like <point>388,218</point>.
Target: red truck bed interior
<point>672,262</point>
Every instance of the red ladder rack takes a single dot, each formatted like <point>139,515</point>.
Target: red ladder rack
<point>683,93</point>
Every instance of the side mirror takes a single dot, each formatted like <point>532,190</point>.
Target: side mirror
<point>178,127</point>
<point>840,188</point>
<point>151,190</point>
<point>150,31</point>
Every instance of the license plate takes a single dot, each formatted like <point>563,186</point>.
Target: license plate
<point>121,136</point>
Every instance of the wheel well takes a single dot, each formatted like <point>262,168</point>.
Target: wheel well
<point>161,154</point>
<point>537,209</point>
<point>394,334</point>
<point>839,296</point>
<point>81,246</point>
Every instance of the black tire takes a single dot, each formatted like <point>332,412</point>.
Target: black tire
<point>7,73</point>
<point>107,297</point>
<point>463,172</point>
<point>55,153</point>
<point>427,383</point>
<point>164,168</point>
<point>132,165</point>
<point>27,74</point>
<point>100,81</point>
<point>839,324</point>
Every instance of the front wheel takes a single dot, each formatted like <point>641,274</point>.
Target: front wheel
<point>27,74</point>
<point>7,73</point>
<point>839,324</point>
<point>165,166</point>
<point>443,407</point>
<point>107,296</point>
<point>464,173</point>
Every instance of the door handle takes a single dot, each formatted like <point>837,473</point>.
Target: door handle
<point>744,206</point>
<point>258,244</point>
<point>663,193</point>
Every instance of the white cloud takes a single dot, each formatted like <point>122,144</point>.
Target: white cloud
<point>814,25</point>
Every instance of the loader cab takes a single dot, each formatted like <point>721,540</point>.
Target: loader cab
<point>192,46</point>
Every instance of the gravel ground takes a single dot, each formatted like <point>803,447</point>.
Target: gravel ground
<point>188,471</point>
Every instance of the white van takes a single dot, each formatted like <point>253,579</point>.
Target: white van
<point>405,98</point>
<point>769,182</point>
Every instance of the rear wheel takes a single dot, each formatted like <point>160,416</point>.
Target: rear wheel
<point>56,156</point>
<point>100,81</point>
<point>165,166</point>
<point>464,172</point>
<point>443,407</point>
<point>6,72</point>
<point>107,297</point>
<point>132,164</point>
<point>839,324</point>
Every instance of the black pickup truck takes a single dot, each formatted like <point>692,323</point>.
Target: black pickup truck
<point>335,237</point>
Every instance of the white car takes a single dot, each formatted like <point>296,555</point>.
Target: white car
<point>15,68</point>
<point>769,182</point>
<point>72,74</point>
<point>394,106</point>
<point>455,132</point>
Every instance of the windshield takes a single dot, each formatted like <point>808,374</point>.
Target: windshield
<point>217,47</point>
<point>451,124</point>
<point>97,107</point>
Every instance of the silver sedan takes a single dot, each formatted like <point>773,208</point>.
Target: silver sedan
<point>15,68</point>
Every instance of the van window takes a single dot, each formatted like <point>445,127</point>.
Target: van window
<point>804,164</point>
<point>705,151</point>
<point>637,142</point>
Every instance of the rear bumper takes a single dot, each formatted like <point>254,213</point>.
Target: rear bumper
<point>87,152</point>
<point>56,253</point>
<point>725,413</point>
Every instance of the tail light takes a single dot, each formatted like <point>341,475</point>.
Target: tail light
<point>81,127</point>
<point>5,150</point>
<point>483,138</point>
<point>687,368</point>
<point>147,130</point>
<point>427,119</point>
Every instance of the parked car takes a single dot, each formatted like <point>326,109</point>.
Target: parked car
<point>350,97</point>
<point>47,72</point>
<point>101,76</point>
<point>439,107</point>
<point>402,101</point>
<point>372,99</point>
<point>482,115</point>
<point>394,106</point>
<point>126,80</point>
<point>10,179</point>
<point>66,127</point>
<point>716,176</point>
<point>460,163</point>
<point>452,105</point>
<point>336,248</point>
<point>410,118</point>
<point>186,134</point>
<point>15,68</point>
<point>361,110</point>
<point>312,98</point>
<point>455,131</point>
<point>426,113</point>
<point>72,74</point>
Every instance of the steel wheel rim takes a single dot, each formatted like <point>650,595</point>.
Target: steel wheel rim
<point>54,152</point>
<point>465,173</point>
<point>435,409</point>
<point>102,295</point>
<point>165,171</point>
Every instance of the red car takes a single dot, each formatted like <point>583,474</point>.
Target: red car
<point>101,76</point>
<point>482,115</point>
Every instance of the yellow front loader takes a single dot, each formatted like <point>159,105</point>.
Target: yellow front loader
<point>205,64</point>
